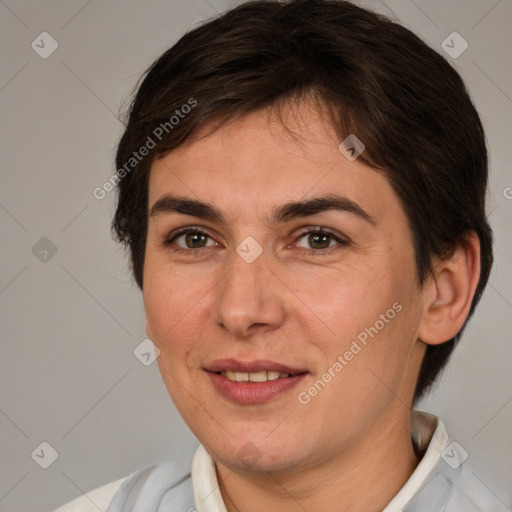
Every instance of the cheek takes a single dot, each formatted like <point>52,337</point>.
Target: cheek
<point>157,301</point>
<point>161,298</point>
<point>174,304</point>
<point>170,325</point>
<point>348,298</point>
<point>371,315</point>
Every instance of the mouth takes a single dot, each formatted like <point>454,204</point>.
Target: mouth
<point>262,376</point>
<point>253,382</point>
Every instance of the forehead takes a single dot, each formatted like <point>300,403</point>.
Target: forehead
<point>262,160</point>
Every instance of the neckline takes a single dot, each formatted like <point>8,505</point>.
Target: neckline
<point>429,438</point>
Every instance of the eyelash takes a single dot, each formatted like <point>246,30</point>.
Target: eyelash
<point>311,252</point>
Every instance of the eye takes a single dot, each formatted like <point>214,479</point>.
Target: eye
<point>318,240</point>
<point>187,239</point>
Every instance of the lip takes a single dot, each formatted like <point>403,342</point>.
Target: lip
<point>252,393</point>
<point>258,365</point>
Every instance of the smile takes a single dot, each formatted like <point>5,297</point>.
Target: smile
<point>253,382</point>
<point>263,376</point>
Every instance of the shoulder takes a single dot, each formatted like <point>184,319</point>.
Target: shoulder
<point>97,499</point>
<point>145,489</point>
<point>471,494</point>
<point>444,479</point>
<point>167,483</point>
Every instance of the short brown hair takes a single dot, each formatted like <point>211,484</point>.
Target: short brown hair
<point>379,80</point>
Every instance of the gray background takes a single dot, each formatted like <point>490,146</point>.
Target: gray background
<point>71,320</point>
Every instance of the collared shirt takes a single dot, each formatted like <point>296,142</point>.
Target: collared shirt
<point>442,482</point>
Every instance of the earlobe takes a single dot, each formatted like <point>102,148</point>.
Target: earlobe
<point>449,295</point>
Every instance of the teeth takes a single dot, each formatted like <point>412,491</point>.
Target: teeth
<point>255,376</point>
<point>241,377</point>
<point>258,376</point>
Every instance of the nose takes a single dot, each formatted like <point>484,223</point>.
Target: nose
<point>250,298</point>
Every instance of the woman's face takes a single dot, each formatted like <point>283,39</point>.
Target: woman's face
<point>257,294</point>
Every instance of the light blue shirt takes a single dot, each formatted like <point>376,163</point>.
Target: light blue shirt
<point>443,481</point>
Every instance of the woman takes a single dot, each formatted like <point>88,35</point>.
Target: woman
<point>302,192</point>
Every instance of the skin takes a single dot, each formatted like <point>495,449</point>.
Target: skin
<point>296,308</point>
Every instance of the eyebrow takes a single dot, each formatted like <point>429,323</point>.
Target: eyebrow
<point>168,204</point>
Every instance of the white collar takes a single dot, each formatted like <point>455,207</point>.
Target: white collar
<point>207,496</point>
<point>427,432</point>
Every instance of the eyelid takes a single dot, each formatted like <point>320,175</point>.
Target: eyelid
<point>321,229</point>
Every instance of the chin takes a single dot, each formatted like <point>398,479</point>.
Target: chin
<point>258,454</point>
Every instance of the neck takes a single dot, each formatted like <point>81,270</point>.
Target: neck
<point>366,479</point>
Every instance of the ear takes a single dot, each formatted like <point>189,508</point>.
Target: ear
<point>449,294</point>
